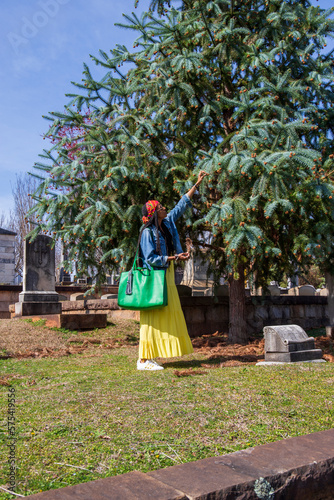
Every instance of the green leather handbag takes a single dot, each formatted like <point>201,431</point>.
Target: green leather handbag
<point>142,288</point>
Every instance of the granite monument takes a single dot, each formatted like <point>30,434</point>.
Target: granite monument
<point>39,295</point>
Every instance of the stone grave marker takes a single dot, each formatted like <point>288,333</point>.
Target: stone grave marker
<point>109,296</point>
<point>289,344</point>
<point>307,290</point>
<point>39,294</point>
<point>274,290</point>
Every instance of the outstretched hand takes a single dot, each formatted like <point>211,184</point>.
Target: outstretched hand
<point>201,176</point>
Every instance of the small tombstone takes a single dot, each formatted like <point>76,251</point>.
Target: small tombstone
<point>274,290</point>
<point>307,290</point>
<point>77,296</point>
<point>293,291</point>
<point>178,276</point>
<point>199,291</point>
<point>270,290</point>
<point>323,292</point>
<point>39,294</point>
<point>289,344</point>
<point>108,296</point>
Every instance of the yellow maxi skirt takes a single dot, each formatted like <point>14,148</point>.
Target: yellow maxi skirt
<point>163,331</point>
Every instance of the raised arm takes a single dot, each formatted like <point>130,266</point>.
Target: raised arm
<point>185,202</point>
<point>201,176</point>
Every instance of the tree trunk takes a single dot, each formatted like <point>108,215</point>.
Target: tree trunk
<point>237,333</point>
<point>330,286</point>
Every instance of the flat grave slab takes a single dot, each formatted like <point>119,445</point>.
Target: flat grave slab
<point>72,321</point>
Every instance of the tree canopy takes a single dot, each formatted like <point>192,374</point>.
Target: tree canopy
<point>241,89</point>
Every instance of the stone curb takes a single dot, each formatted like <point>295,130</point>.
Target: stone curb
<point>299,468</point>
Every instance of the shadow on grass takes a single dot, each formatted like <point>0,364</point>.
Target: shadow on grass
<point>214,361</point>
<point>183,364</point>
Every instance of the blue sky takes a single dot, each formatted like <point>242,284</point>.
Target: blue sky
<point>43,44</point>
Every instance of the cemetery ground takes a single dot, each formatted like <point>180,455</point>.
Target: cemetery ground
<point>83,411</point>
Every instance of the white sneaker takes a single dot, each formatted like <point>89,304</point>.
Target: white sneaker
<point>149,364</point>
<point>156,363</point>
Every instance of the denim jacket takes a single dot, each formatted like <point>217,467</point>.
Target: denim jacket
<point>148,252</point>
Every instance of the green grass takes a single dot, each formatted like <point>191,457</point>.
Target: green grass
<point>96,411</point>
<point>40,322</point>
<point>66,333</point>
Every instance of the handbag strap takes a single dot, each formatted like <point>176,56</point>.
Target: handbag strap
<point>134,266</point>
<point>129,283</point>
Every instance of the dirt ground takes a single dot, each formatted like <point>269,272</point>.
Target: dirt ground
<point>20,339</point>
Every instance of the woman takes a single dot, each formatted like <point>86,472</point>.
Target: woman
<point>163,331</point>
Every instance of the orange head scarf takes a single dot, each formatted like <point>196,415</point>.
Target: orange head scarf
<point>151,206</point>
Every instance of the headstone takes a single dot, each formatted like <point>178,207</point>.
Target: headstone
<point>293,291</point>
<point>64,276</point>
<point>274,290</point>
<point>307,290</point>
<point>178,275</point>
<point>108,296</point>
<point>39,295</point>
<point>77,296</point>
<point>323,292</point>
<point>288,344</point>
<point>7,257</point>
<point>199,291</point>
